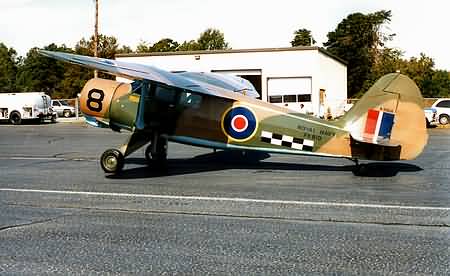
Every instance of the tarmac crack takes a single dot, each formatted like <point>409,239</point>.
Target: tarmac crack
<point>35,222</point>
<point>212,214</point>
<point>55,139</point>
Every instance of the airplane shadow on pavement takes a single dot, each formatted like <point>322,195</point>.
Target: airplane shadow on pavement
<point>225,160</point>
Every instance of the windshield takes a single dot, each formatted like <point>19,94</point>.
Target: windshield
<point>63,102</point>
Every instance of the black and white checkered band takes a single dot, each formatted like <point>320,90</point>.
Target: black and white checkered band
<point>287,141</point>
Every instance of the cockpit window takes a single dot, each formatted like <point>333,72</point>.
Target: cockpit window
<point>178,97</point>
<point>136,87</point>
<point>188,99</point>
<point>165,94</point>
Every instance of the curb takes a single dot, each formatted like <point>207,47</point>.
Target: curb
<point>70,120</point>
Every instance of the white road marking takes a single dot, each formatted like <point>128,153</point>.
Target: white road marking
<point>242,200</point>
<point>46,158</point>
<point>35,158</point>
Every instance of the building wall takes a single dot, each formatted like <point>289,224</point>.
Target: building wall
<point>332,76</point>
<point>325,72</point>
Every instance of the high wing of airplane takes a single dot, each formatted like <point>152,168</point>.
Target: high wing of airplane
<point>209,110</point>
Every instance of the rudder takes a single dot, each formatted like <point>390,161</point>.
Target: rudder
<point>390,117</point>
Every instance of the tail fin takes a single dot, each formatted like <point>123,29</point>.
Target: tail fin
<point>390,114</point>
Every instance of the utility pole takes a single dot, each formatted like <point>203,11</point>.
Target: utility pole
<point>96,36</point>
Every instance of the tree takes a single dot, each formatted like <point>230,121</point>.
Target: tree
<point>189,46</point>
<point>421,71</point>
<point>8,68</point>
<point>388,61</point>
<point>165,45</point>
<point>302,37</point>
<point>124,50</point>
<point>439,85</point>
<point>432,83</point>
<point>107,46</point>
<point>143,47</point>
<point>39,73</point>
<point>358,40</point>
<point>212,39</point>
<point>75,77</point>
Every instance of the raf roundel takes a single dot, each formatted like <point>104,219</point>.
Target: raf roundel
<point>239,123</point>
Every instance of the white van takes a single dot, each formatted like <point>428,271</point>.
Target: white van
<point>15,107</point>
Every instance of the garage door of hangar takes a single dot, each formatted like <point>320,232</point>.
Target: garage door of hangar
<point>252,75</point>
<point>290,92</point>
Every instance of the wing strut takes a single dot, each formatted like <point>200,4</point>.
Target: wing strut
<point>145,91</point>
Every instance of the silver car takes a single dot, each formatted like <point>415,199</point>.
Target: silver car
<point>63,108</point>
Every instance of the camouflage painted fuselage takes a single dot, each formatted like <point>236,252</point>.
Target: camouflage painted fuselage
<point>276,129</point>
<point>201,120</point>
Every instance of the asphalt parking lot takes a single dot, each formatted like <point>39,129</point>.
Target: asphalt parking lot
<point>216,213</point>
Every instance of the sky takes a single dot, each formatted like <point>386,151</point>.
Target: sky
<point>420,26</point>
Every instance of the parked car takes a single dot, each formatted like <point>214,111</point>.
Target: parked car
<point>431,116</point>
<point>63,108</point>
<point>442,107</point>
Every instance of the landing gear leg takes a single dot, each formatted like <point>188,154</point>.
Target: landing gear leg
<point>112,160</point>
<point>156,152</point>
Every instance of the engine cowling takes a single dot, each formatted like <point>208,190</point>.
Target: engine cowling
<point>109,102</point>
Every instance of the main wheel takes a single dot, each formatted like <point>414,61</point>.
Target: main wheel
<point>112,161</point>
<point>157,160</point>
<point>66,113</point>
<point>161,155</point>
<point>444,119</point>
<point>15,118</point>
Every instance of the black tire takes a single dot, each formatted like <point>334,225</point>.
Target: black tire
<point>361,170</point>
<point>66,113</point>
<point>157,161</point>
<point>15,118</point>
<point>112,161</point>
<point>444,119</point>
<point>427,124</point>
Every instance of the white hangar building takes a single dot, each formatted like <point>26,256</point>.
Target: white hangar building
<point>285,76</point>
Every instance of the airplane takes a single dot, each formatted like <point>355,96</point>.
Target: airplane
<point>222,112</point>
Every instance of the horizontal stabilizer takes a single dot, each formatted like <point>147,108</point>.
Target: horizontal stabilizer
<point>381,142</point>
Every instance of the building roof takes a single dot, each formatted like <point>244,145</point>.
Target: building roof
<point>231,51</point>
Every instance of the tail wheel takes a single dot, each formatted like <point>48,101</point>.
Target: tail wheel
<point>112,161</point>
<point>444,119</point>
<point>361,170</point>
<point>15,118</point>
